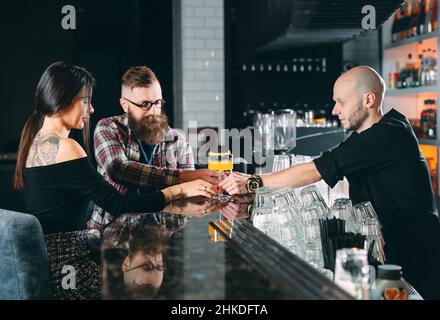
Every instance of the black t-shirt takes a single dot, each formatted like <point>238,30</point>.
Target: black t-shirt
<point>146,152</point>
<point>58,195</point>
<point>384,165</point>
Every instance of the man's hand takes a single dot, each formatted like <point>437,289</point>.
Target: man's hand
<point>243,198</point>
<point>194,207</point>
<point>235,183</point>
<point>210,176</point>
<point>234,211</point>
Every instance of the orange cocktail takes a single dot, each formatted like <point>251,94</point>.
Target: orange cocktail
<point>220,162</point>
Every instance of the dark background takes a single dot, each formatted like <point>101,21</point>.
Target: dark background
<point>110,37</point>
<point>272,90</point>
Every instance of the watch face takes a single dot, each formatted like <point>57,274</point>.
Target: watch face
<point>254,185</point>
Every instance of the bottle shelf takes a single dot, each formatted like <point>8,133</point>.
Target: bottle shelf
<point>410,91</point>
<point>411,40</point>
<point>428,142</point>
<point>409,54</point>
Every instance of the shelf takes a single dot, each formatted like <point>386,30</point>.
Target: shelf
<point>411,40</point>
<point>429,142</point>
<point>409,91</point>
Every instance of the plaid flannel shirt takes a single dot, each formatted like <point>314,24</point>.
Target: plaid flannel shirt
<point>113,233</point>
<point>117,154</point>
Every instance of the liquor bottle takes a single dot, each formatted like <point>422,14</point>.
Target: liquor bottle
<point>391,80</point>
<point>397,78</point>
<point>318,65</point>
<point>428,23</point>
<point>403,22</point>
<point>430,68</point>
<point>414,18</point>
<point>424,120</point>
<point>408,19</point>
<point>434,17</point>
<point>422,17</point>
<point>395,32</point>
<point>432,132</point>
<point>294,66</point>
<point>433,68</point>
<point>409,68</point>
<point>422,70</point>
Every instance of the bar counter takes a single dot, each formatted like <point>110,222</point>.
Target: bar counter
<point>211,257</point>
<point>189,254</point>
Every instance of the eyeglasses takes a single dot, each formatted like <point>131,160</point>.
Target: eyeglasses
<point>148,266</point>
<point>147,105</point>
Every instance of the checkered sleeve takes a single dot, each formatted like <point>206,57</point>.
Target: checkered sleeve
<point>186,157</point>
<point>111,156</point>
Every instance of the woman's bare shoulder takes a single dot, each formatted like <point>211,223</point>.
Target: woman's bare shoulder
<point>68,150</point>
<point>52,149</point>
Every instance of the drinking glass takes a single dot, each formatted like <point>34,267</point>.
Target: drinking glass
<point>340,190</point>
<point>280,163</point>
<point>310,195</point>
<point>310,219</point>
<point>221,162</point>
<point>343,209</point>
<point>285,130</point>
<point>371,228</point>
<point>352,272</point>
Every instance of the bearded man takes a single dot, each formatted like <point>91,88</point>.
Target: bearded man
<point>138,151</point>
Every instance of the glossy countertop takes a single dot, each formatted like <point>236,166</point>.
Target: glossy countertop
<point>204,251</point>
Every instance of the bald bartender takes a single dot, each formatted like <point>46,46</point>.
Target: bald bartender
<point>382,161</point>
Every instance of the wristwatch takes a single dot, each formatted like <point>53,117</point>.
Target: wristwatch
<point>254,183</point>
<point>250,209</point>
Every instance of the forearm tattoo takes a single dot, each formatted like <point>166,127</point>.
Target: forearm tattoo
<point>43,151</point>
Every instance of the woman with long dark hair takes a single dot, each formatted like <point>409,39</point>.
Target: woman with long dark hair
<point>54,171</point>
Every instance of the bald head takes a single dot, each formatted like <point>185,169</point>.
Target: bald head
<point>359,95</point>
<point>363,80</point>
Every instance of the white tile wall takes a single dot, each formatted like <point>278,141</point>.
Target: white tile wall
<point>199,63</point>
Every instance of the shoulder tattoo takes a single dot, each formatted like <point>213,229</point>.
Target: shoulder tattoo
<point>43,150</point>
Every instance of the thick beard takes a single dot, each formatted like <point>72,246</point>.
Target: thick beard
<point>150,129</point>
<point>357,118</point>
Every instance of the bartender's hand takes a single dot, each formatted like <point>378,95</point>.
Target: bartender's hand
<point>235,183</point>
<point>210,176</point>
<point>234,211</point>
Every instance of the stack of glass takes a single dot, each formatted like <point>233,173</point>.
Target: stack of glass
<point>291,217</point>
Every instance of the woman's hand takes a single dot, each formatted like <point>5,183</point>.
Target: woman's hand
<point>235,183</point>
<point>196,207</point>
<point>198,188</point>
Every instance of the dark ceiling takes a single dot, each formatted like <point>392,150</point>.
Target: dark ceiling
<point>281,24</point>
